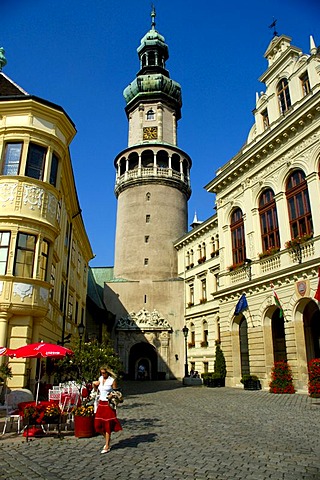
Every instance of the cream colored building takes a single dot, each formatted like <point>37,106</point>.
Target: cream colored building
<point>267,195</point>
<point>44,246</point>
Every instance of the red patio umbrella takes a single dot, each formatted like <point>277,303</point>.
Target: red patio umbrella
<point>41,350</point>
<point>6,351</point>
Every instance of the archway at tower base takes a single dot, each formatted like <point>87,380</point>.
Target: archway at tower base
<point>143,354</point>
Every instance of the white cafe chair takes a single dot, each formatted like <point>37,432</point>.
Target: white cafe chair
<point>12,412</point>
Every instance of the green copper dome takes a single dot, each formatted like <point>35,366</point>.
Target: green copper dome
<point>153,80</point>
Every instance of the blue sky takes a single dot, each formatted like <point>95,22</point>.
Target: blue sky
<point>81,54</point>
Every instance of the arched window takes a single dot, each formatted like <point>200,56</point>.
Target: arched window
<point>150,115</point>
<point>283,95</point>
<point>298,205</point>
<point>237,236</point>
<point>269,220</point>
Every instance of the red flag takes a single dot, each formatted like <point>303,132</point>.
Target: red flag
<point>317,294</point>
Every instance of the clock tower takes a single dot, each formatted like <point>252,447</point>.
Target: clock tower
<point>152,189</point>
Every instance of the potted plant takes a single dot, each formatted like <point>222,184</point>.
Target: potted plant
<point>270,251</point>
<point>206,378</point>
<point>281,378</point>
<point>219,374</point>
<point>314,378</point>
<point>83,420</point>
<point>295,242</point>
<point>41,413</point>
<point>251,382</point>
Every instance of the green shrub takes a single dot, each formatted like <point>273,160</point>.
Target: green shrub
<point>220,370</point>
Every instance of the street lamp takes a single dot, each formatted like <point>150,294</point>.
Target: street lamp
<point>81,329</point>
<point>185,332</point>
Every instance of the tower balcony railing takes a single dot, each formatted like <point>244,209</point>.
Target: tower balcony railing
<point>152,172</point>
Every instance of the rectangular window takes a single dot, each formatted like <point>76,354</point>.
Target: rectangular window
<point>265,119</point>
<point>305,83</point>
<point>205,367</point>
<point>146,261</point>
<point>44,258</point>
<point>54,170</point>
<point>79,265</point>
<point>59,212</point>
<point>204,289</point>
<point>191,294</point>
<point>52,280</point>
<point>66,238</point>
<point>35,161</point>
<point>24,258</point>
<point>146,239</point>
<point>76,313</point>
<point>73,252</point>
<point>147,218</point>
<point>70,307</point>
<point>4,250</point>
<point>12,159</point>
<point>62,296</point>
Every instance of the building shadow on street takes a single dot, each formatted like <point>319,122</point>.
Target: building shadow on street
<point>130,388</point>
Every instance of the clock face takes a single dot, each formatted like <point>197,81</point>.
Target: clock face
<point>150,133</point>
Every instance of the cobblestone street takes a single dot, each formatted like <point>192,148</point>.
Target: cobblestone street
<point>190,433</point>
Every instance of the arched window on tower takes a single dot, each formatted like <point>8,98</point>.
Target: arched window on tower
<point>133,161</point>
<point>151,115</point>
<point>148,195</point>
<point>162,159</point>
<point>237,237</point>
<point>268,221</point>
<point>299,205</point>
<point>283,95</point>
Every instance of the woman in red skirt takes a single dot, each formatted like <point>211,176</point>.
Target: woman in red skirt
<point>106,420</point>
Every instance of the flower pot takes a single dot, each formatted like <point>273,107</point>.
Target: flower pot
<point>83,426</point>
<point>252,385</point>
<point>54,420</point>
<point>216,382</point>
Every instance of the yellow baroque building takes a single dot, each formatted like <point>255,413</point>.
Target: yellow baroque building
<point>44,248</point>
<point>265,236</point>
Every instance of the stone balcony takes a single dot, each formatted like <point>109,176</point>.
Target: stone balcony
<point>24,296</point>
<point>29,199</point>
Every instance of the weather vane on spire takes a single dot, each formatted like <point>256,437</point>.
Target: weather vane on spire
<point>153,16</point>
<point>273,25</point>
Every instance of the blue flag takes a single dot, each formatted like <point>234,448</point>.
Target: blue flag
<point>241,305</point>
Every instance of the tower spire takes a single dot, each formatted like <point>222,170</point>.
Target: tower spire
<point>153,17</point>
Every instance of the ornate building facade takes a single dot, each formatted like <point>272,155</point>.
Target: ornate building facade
<point>268,234</point>
<point>44,246</point>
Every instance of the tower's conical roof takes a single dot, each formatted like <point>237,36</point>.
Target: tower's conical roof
<point>153,79</point>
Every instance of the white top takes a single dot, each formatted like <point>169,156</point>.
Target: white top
<point>105,387</point>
